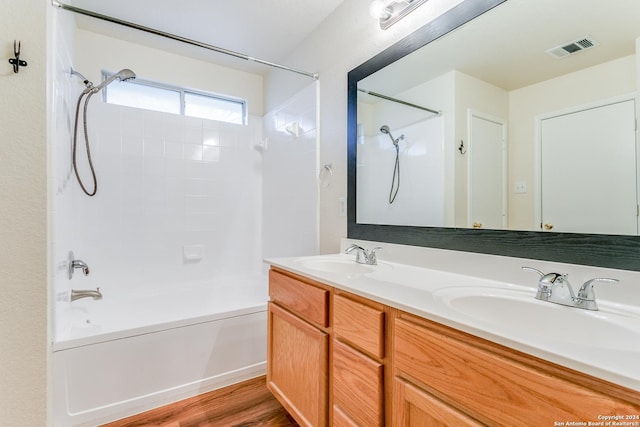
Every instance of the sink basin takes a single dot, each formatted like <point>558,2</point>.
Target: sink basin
<point>518,311</point>
<point>339,265</point>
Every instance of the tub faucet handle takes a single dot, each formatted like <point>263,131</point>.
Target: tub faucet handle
<point>77,263</point>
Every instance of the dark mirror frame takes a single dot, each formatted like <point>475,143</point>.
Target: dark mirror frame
<point>620,252</point>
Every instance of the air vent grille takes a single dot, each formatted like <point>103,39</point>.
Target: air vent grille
<point>572,47</point>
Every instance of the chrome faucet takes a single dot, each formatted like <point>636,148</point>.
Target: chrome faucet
<point>85,293</point>
<point>77,263</point>
<point>555,288</point>
<point>364,256</point>
<point>586,296</point>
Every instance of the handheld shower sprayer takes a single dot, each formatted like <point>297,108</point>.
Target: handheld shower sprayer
<point>395,181</point>
<point>122,75</point>
<point>385,129</point>
<point>90,90</point>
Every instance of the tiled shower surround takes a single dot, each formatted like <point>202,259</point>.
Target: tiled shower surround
<point>178,200</point>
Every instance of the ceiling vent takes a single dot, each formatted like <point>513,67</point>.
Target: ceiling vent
<point>572,47</point>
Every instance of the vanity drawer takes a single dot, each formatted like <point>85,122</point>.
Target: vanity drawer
<point>357,386</point>
<point>359,324</point>
<point>490,387</point>
<point>309,301</point>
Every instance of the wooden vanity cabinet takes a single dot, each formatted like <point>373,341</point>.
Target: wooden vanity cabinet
<point>358,361</point>
<point>298,347</point>
<point>338,359</point>
<point>443,373</point>
<point>413,406</point>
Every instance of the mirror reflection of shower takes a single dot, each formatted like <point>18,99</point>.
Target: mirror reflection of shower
<point>90,90</point>
<point>395,181</point>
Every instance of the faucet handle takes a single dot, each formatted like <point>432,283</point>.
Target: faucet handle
<point>361,253</point>
<point>352,247</point>
<point>371,258</point>
<point>547,281</point>
<point>535,270</point>
<point>587,296</point>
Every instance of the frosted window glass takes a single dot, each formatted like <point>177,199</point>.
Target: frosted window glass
<point>143,96</point>
<point>207,107</point>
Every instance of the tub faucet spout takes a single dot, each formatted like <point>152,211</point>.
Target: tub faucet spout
<point>85,293</point>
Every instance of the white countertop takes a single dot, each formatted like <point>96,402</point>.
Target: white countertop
<point>425,292</point>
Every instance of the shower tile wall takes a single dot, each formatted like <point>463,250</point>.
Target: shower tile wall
<point>179,200</point>
<point>290,181</point>
<point>61,213</point>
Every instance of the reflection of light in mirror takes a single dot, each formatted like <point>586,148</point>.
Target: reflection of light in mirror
<point>376,8</point>
<point>414,150</point>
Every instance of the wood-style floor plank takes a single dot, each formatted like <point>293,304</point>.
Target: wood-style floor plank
<point>246,404</point>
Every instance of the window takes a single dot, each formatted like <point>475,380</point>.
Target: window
<point>172,99</point>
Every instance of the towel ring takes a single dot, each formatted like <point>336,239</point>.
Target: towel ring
<point>325,175</point>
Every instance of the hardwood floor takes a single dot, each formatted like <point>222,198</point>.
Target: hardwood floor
<point>245,404</point>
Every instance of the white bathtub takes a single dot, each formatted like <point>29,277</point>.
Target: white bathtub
<point>120,356</point>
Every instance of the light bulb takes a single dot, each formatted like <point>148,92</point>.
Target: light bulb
<point>376,9</point>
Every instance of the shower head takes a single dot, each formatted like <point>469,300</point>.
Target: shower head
<point>385,129</point>
<point>122,75</point>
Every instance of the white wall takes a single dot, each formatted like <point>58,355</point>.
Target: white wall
<point>23,216</point>
<point>482,97</point>
<point>347,38</point>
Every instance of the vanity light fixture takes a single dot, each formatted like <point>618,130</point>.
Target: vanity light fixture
<point>392,12</point>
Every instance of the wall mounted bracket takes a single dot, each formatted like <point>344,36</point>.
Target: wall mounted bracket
<point>17,62</point>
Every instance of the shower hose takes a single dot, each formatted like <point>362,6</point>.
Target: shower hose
<point>395,182</point>
<point>89,94</point>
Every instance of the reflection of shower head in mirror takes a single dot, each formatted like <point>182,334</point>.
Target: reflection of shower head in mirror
<point>385,129</point>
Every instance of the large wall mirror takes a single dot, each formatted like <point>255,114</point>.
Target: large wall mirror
<point>503,127</point>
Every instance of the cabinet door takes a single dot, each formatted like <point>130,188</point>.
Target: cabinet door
<point>358,386</point>
<point>297,368</point>
<point>413,407</point>
<point>491,387</point>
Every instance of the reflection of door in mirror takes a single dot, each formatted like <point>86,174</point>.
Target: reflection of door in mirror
<point>487,172</point>
<point>588,170</point>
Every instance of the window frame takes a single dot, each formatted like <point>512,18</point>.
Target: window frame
<point>182,91</point>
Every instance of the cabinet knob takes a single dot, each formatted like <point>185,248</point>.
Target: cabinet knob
<point>548,226</point>
<point>477,225</point>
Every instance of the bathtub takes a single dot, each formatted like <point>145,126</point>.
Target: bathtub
<point>123,355</point>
